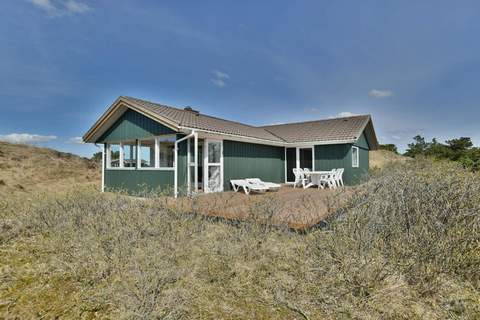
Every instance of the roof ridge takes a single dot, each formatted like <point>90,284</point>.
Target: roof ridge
<point>200,113</point>
<point>318,120</point>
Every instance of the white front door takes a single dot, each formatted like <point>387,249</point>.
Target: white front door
<point>213,164</point>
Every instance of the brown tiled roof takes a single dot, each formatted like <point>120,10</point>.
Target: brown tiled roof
<point>200,121</point>
<point>338,129</point>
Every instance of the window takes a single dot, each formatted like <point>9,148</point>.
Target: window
<point>147,154</point>
<point>154,153</point>
<point>355,157</point>
<point>166,147</point>
<point>114,155</point>
<point>214,151</point>
<point>129,155</point>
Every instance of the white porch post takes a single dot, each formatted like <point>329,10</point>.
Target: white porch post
<point>175,162</point>
<point>297,156</point>
<point>103,167</point>
<point>195,152</point>
<point>175,171</point>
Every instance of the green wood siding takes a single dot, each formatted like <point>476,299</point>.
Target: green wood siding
<point>133,125</point>
<point>362,142</point>
<point>139,181</point>
<point>328,157</point>
<point>248,160</point>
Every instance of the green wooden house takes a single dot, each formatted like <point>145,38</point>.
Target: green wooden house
<point>152,146</point>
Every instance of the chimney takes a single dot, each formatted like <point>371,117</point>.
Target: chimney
<point>190,109</point>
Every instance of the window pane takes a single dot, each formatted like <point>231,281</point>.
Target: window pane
<point>214,178</point>
<point>147,154</point>
<point>192,177</point>
<point>166,154</point>
<point>129,155</point>
<point>192,150</point>
<point>114,155</point>
<point>354,157</point>
<point>214,149</point>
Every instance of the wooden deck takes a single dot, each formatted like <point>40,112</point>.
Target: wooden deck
<point>296,208</point>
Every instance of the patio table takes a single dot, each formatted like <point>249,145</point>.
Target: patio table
<point>315,176</point>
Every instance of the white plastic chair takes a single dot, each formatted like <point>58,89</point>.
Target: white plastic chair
<point>328,178</point>
<point>247,187</point>
<point>299,177</point>
<point>269,185</point>
<point>339,177</point>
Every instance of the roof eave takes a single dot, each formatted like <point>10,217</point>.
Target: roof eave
<point>93,133</point>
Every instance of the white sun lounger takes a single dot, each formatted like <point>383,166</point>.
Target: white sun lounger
<point>270,185</point>
<point>247,187</point>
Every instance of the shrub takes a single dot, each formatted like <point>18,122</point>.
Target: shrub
<point>406,246</point>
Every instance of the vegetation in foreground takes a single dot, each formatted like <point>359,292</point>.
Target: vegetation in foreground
<point>406,246</point>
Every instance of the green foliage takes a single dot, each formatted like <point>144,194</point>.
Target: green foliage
<point>97,156</point>
<point>389,147</point>
<point>459,149</point>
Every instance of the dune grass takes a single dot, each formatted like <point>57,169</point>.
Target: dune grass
<point>406,246</point>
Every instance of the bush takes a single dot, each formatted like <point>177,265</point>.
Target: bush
<point>406,246</point>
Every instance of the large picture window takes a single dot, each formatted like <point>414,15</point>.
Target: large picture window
<point>129,155</point>
<point>147,154</point>
<point>114,155</point>
<point>166,146</point>
<point>154,153</point>
<point>355,157</point>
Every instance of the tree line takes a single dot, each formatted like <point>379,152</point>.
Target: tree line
<point>458,149</point>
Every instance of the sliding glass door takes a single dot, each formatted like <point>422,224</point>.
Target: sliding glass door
<point>291,154</point>
<point>298,157</point>
<point>306,155</point>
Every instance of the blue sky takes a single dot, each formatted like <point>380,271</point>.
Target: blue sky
<point>413,65</point>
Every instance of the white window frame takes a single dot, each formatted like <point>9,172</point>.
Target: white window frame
<point>156,155</point>
<point>138,144</point>
<point>297,158</point>
<point>122,155</point>
<point>157,152</point>
<point>192,164</point>
<point>109,156</point>
<point>355,160</point>
<point>207,164</point>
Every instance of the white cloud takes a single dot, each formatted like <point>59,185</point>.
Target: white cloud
<point>77,140</point>
<point>379,94</point>
<point>219,78</point>
<point>76,6</point>
<point>45,5</point>
<point>218,82</point>
<point>26,138</point>
<point>60,8</point>
<point>346,114</point>
<point>220,74</point>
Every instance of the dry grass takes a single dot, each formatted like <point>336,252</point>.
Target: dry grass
<point>26,169</point>
<point>381,158</point>
<point>406,246</point>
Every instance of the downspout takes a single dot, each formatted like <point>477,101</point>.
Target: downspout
<point>175,160</point>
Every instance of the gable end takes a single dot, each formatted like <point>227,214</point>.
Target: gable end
<point>133,125</point>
